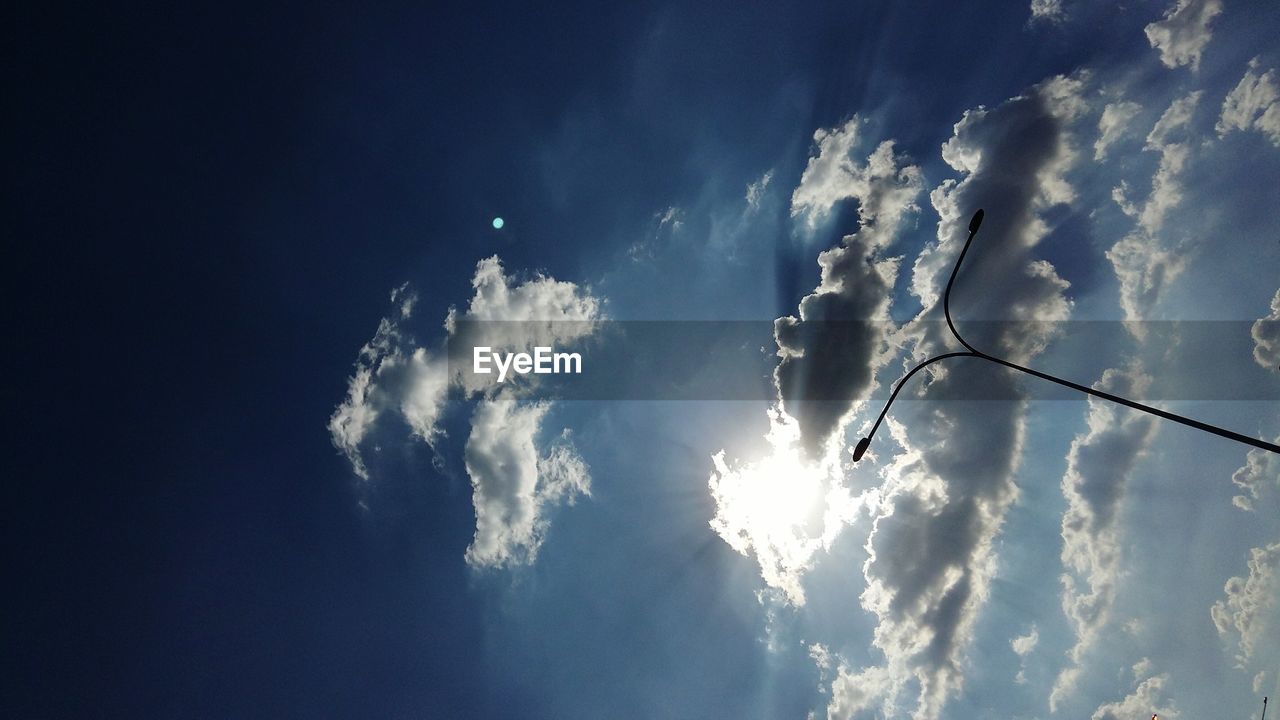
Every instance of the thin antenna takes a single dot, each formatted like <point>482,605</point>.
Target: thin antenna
<point>1264,707</point>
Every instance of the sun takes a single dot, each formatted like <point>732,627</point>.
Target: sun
<point>782,508</point>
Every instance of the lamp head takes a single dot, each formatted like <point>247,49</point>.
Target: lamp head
<point>976,222</point>
<point>861,448</point>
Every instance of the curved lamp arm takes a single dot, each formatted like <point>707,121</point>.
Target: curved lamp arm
<point>974,224</point>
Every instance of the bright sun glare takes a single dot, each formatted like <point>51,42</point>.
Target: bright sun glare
<point>783,507</point>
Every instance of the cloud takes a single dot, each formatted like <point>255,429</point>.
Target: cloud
<point>1143,702</point>
<point>931,555</point>
<point>1253,104</point>
<point>788,505</point>
<point>1266,337</point>
<point>782,508</point>
<point>514,486</point>
<point>1261,469</point>
<point>1098,465</point>
<point>834,174</point>
<point>856,692</point>
<point>1022,646</point>
<point>1114,123</point>
<point>1048,10</point>
<point>830,351</point>
<point>666,223</point>
<point>755,191</point>
<point>390,375</point>
<point>1184,32</point>
<point>406,298</point>
<point>1144,261</point>
<point>1247,613</point>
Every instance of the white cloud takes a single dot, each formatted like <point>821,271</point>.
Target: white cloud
<point>1166,186</point>
<point>514,486</point>
<point>1049,10</point>
<point>856,692</point>
<point>1022,646</point>
<point>1145,262</point>
<point>406,298</point>
<point>390,375</point>
<point>1260,470</point>
<point>755,191</point>
<point>1098,464</point>
<point>1114,124</point>
<point>1266,337</point>
<point>1247,613</point>
<point>931,549</point>
<point>1143,702</point>
<point>1184,32</point>
<point>834,174</point>
<point>1254,103</point>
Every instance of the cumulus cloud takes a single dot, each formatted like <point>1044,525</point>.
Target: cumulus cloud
<point>788,505</point>
<point>1101,458</point>
<point>931,554</point>
<point>1248,612</point>
<point>1260,470</point>
<point>1183,33</point>
<point>856,692</point>
<point>835,174</point>
<point>1145,701</point>
<point>829,351</point>
<point>1254,103</point>
<point>1114,123</point>
<point>513,484</point>
<point>1098,465</point>
<point>1145,262</point>
<point>1266,337</point>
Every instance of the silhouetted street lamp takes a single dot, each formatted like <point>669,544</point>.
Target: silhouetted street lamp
<point>971,351</point>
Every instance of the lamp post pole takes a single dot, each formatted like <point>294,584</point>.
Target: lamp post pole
<point>971,351</point>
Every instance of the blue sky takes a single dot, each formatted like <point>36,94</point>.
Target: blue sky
<point>247,482</point>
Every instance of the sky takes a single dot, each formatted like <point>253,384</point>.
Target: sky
<point>251,246</point>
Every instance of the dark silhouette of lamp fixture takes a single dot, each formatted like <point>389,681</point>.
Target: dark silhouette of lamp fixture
<point>973,352</point>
